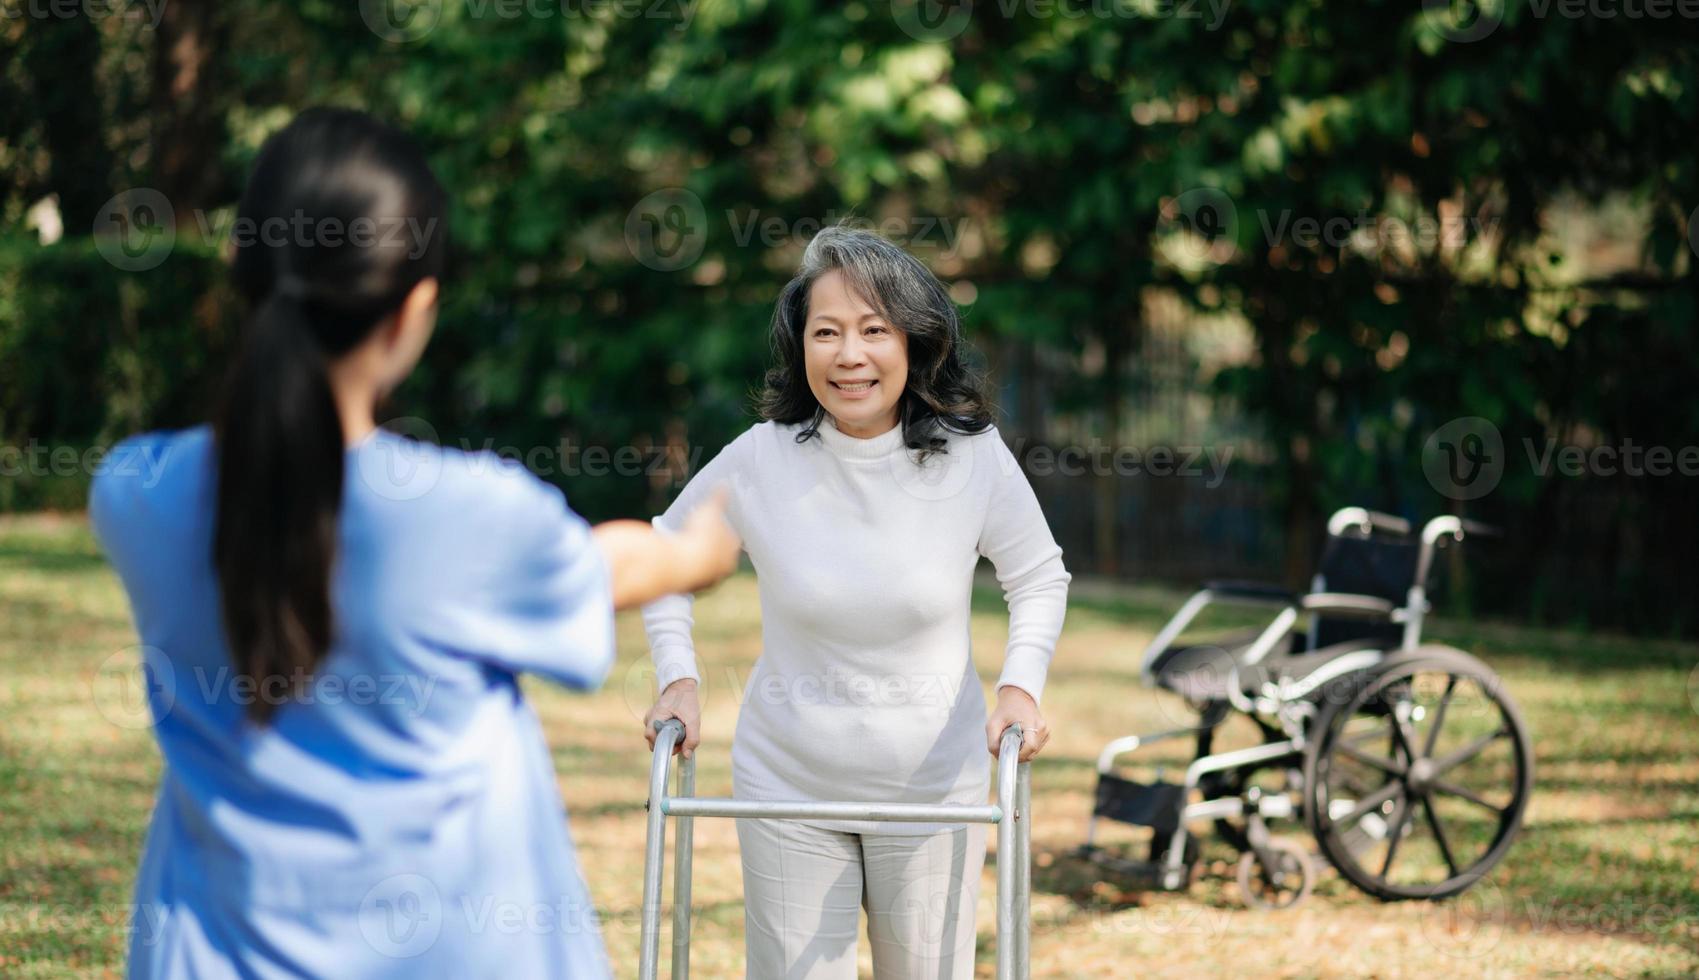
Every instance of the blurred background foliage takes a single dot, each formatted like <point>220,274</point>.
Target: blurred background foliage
<point>1116,192</point>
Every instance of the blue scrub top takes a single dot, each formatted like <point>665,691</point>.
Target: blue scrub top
<point>400,817</point>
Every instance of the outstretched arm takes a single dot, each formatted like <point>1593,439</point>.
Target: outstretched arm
<point>645,564</point>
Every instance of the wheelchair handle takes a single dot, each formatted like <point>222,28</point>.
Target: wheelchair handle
<point>1455,528</point>
<point>1480,530</point>
<point>1365,520</point>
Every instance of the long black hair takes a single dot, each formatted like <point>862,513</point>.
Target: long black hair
<point>341,218</point>
<point>940,395</point>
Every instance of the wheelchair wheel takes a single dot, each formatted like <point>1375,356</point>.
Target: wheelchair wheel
<point>1279,887</point>
<point>1417,774</point>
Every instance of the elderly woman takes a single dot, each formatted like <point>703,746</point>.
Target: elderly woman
<point>865,500</point>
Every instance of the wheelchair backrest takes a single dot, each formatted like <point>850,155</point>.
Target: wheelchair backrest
<point>1380,565</point>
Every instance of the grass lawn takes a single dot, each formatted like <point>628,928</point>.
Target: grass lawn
<point>1604,880</point>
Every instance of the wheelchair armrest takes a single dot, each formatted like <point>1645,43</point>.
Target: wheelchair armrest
<point>1226,592</point>
<point>1254,591</point>
<point>1347,604</point>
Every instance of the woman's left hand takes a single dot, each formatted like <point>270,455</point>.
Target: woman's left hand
<point>1017,706</point>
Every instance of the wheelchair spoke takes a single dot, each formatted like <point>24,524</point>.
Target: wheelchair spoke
<point>1390,766</point>
<point>1361,735</point>
<point>1352,783</point>
<point>1439,716</point>
<point>1452,789</point>
<point>1453,760</point>
<point>1371,802</point>
<point>1395,833</point>
<point>1404,738</point>
<point>1439,836</point>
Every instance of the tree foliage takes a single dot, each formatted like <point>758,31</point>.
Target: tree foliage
<point>1372,188</point>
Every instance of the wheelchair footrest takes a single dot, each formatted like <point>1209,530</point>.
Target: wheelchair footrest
<point>1145,874</point>
<point>1155,805</point>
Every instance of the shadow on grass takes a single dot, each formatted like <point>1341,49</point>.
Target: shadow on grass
<point>49,555</point>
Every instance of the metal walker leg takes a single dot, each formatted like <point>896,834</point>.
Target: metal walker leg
<point>682,855</point>
<point>1012,814</point>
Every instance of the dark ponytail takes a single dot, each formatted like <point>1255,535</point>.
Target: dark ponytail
<point>341,218</point>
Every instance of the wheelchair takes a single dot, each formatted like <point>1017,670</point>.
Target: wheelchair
<point>1407,762</point>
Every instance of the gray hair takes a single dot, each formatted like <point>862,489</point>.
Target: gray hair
<point>940,395</point>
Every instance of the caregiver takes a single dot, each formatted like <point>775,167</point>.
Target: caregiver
<point>334,619</point>
<point>864,502</point>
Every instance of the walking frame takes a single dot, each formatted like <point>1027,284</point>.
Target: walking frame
<point>1012,813</point>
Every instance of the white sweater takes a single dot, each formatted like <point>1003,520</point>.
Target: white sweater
<point>865,688</point>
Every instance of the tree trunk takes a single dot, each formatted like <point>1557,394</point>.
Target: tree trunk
<point>189,89</point>
<point>63,59</point>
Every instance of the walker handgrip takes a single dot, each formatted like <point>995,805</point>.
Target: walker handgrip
<point>662,723</point>
<point>1014,732</point>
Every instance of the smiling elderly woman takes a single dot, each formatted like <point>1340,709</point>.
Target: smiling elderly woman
<point>864,501</point>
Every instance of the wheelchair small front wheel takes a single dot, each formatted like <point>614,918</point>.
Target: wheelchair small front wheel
<point>1417,775</point>
<point>1277,884</point>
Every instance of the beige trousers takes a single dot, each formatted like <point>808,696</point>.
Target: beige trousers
<point>804,889</point>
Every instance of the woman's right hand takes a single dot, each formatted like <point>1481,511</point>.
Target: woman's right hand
<point>677,701</point>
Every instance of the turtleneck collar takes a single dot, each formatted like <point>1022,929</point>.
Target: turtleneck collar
<point>847,446</point>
